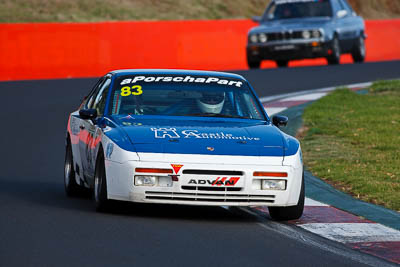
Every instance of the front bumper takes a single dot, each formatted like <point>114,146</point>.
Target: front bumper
<point>288,50</point>
<point>120,184</point>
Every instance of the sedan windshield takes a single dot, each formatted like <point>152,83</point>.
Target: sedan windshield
<point>290,9</point>
<point>171,95</point>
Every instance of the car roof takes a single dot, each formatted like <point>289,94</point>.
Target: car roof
<point>176,72</point>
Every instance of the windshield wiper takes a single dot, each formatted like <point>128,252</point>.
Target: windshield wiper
<point>216,115</point>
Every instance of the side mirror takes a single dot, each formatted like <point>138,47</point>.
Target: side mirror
<point>256,19</point>
<point>341,13</point>
<point>88,114</point>
<point>280,121</point>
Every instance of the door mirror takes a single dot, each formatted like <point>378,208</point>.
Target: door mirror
<point>88,114</point>
<point>341,13</point>
<point>280,121</point>
<point>256,19</point>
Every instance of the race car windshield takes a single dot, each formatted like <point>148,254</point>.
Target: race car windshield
<point>290,9</point>
<point>196,96</point>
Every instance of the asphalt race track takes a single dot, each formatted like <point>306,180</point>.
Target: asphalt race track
<point>40,226</point>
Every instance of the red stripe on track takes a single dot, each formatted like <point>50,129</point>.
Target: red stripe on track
<point>387,250</point>
<point>325,214</point>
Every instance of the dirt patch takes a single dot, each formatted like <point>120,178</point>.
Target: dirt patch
<point>111,10</point>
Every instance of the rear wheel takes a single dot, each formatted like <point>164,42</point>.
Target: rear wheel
<point>100,185</point>
<point>282,63</point>
<point>289,213</point>
<point>334,58</point>
<point>71,187</point>
<point>358,53</point>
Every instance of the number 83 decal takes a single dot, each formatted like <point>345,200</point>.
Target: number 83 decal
<point>134,90</point>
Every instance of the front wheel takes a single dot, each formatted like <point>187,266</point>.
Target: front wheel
<point>334,58</point>
<point>292,212</point>
<point>253,63</point>
<point>358,53</point>
<point>71,187</point>
<point>282,63</point>
<point>100,186</point>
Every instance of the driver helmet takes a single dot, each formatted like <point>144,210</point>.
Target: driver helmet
<point>211,102</point>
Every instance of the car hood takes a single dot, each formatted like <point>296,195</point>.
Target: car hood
<point>291,24</point>
<point>209,136</point>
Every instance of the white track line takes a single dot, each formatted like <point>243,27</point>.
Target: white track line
<point>354,232</point>
<point>312,202</point>
<point>273,111</point>
<point>326,89</point>
<point>307,97</point>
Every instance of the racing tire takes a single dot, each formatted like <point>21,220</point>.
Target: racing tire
<point>334,59</point>
<point>358,53</point>
<point>100,185</point>
<point>254,64</point>
<point>71,187</point>
<point>282,63</point>
<point>292,212</point>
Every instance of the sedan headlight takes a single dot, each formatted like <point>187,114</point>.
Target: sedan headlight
<point>306,34</point>
<point>263,38</point>
<point>254,38</point>
<point>316,34</point>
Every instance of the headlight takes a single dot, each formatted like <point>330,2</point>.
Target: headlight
<point>306,34</point>
<point>151,180</point>
<point>263,37</point>
<point>165,181</point>
<point>146,180</point>
<point>253,38</point>
<point>273,184</point>
<point>316,34</point>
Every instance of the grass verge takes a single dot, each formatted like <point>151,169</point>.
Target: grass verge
<point>352,141</point>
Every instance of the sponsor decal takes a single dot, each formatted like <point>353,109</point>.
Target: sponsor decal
<point>220,181</point>
<point>176,79</point>
<point>174,133</point>
<point>134,90</point>
<point>74,124</point>
<point>127,123</point>
<point>176,167</point>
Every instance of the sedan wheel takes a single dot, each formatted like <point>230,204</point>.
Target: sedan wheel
<point>100,186</point>
<point>334,59</point>
<point>254,64</point>
<point>71,187</point>
<point>282,63</point>
<point>358,53</point>
<point>289,213</point>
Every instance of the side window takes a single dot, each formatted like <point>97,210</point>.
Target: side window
<point>270,12</point>
<point>101,97</point>
<point>347,7</point>
<point>343,6</point>
<point>93,94</point>
<point>336,6</point>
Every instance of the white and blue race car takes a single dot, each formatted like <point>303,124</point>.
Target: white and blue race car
<point>182,137</point>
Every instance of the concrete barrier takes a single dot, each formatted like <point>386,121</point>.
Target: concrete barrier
<point>66,50</point>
